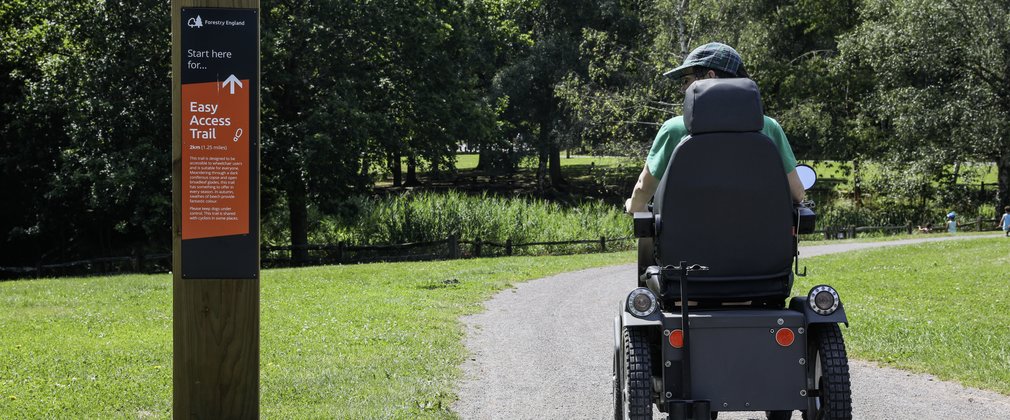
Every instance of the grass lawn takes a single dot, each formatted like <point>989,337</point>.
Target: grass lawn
<point>361,341</point>
<point>937,307</point>
<point>468,161</point>
<point>384,340</point>
<point>832,170</point>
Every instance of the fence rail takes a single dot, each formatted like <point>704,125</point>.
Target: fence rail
<point>450,248</point>
<point>849,232</point>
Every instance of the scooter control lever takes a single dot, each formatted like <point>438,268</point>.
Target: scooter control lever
<point>689,268</point>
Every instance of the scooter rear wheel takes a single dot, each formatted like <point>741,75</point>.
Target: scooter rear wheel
<point>779,415</point>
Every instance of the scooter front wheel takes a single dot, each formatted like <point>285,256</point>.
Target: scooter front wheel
<point>830,375</point>
<point>636,392</point>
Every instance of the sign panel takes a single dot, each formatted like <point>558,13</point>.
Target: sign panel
<point>219,99</point>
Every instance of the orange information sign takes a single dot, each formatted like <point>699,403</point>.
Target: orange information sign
<point>215,158</point>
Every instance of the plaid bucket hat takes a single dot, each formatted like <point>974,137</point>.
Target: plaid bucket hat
<point>714,55</point>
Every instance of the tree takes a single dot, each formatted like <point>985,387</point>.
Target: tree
<point>318,80</point>
<point>352,82</point>
<point>430,82</point>
<point>87,135</point>
<point>620,99</point>
<point>529,81</point>
<point>941,94</point>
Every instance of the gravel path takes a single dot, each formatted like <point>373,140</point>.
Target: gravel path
<point>544,350</point>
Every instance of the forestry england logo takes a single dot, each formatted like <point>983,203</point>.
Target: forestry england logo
<point>195,22</point>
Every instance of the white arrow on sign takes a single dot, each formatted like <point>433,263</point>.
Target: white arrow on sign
<point>231,81</point>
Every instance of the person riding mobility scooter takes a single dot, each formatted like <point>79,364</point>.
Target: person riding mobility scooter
<point>722,237</point>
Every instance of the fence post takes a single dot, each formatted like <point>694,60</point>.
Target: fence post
<point>978,221</point>
<point>340,252</point>
<point>138,261</point>
<point>603,244</point>
<point>508,247</point>
<point>852,232</point>
<point>476,247</point>
<point>827,232</point>
<point>909,228</point>
<point>453,246</point>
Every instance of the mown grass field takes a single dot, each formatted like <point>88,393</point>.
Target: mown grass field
<point>825,169</point>
<point>832,170</point>
<point>466,161</point>
<point>361,341</point>
<point>939,308</point>
<point>384,340</point>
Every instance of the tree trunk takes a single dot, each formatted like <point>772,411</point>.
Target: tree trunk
<point>544,153</point>
<point>299,219</point>
<point>396,168</point>
<point>412,172</point>
<point>1004,182</point>
<point>482,159</point>
<point>435,173</point>
<point>364,169</point>
<point>683,38</point>
<point>542,156</point>
<point>857,191</point>
<point>555,166</point>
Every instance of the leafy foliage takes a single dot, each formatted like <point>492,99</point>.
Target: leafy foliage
<point>84,145</point>
<point>351,87</point>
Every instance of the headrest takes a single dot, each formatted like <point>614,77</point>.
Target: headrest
<point>721,105</point>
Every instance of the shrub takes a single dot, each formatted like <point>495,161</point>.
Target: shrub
<point>431,216</point>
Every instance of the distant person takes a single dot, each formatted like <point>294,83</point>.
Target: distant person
<point>952,222</point>
<point>710,61</point>
<point>1004,222</point>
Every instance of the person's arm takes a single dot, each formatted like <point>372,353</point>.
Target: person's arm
<point>644,189</point>
<point>796,187</point>
<point>773,130</point>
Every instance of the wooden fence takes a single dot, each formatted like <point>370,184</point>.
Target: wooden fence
<point>450,248</point>
<point>140,263</point>
<point>284,256</point>
<point>849,232</point>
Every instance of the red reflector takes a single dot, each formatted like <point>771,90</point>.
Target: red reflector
<point>784,337</point>
<point>677,338</point>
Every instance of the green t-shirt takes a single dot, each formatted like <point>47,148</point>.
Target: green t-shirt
<point>673,132</point>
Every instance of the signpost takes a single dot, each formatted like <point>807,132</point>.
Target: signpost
<point>215,165</point>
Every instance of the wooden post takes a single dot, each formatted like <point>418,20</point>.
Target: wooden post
<point>603,244</point>
<point>978,222</point>
<point>477,245</point>
<point>852,232</point>
<point>909,228</point>
<point>453,246</point>
<point>138,260</point>
<point>508,247</point>
<point>215,263</point>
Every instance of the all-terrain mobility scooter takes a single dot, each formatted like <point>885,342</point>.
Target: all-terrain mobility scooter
<point>718,249</point>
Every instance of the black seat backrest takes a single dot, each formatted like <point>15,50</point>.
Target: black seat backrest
<point>724,199</point>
